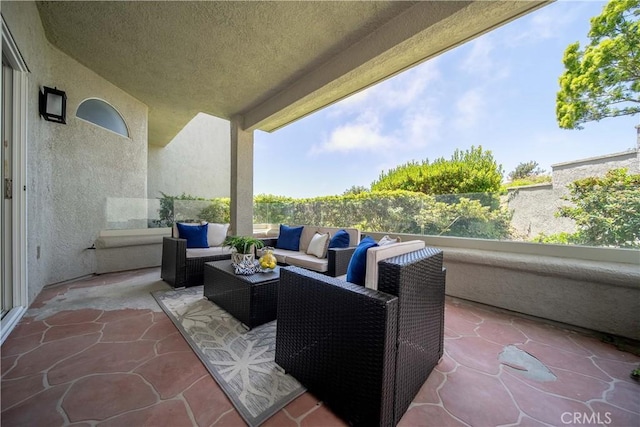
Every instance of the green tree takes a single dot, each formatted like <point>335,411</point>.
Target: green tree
<point>603,80</point>
<point>218,211</point>
<point>167,211</point>
<point>188,208</point>
<point>606,210</point>
<point>355,189</point>
<point>471,171</point>
<point>526,170</point>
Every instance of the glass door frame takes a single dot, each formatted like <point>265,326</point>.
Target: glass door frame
<point>18,117</point>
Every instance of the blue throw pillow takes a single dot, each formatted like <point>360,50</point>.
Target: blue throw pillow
<point>358,265</point>
<point>340,240</point>
<point>289,238</point>
<point>196,235</point>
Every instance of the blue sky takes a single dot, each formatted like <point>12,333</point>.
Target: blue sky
<point>497,91</point>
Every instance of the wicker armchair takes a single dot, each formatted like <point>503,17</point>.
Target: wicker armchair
<point>182,270</point>
<point>366,353</point>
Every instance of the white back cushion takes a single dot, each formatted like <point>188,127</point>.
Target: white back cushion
<point>216,233</point>
<point>379,253</point>
<point>318,245</point>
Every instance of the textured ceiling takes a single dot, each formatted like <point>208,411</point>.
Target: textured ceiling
<point>268,63</point>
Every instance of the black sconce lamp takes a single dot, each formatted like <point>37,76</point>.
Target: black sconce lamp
<point>53,105</point>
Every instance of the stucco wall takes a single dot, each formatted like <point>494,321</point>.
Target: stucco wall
<point>534,209</point>
<point>565,173</point>
<point>601,296</point>
<point>195,162</point>
<point>72,168</point>
<point>534,206</point>
<point>587,287</point>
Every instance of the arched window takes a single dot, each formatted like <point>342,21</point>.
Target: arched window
<point>102,114</point>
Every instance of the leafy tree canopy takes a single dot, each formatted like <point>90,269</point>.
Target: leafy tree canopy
<point>606,209</point>
<point>471,171</point>
<point>355,189</point>
<point>603,80</point>
<point>526,170</point>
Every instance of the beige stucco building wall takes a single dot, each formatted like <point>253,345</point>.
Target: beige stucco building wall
<point>71,168</point>
<point>534,207</point>
<point>564,174</point>
<point>195,162</point>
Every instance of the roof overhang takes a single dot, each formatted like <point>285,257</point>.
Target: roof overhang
<point>265,63</point>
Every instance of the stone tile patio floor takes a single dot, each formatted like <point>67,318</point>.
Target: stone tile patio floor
<point>100,352</point>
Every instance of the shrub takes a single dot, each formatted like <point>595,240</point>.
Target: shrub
<point>533,180</point>
<point>605,209</point>
<point>471,171</point>
<point>188,208</point>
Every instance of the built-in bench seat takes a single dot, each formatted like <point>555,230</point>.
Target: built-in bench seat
<point>120,250</point>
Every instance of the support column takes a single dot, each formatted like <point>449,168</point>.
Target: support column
<point>241,179</point>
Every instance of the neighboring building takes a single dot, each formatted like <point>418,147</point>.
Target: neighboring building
<point>534,206</point>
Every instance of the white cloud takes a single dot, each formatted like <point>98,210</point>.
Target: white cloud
<point>402,99</point>
<point>546,23</point>
<point>397,92</point>
<point>421,126</point>
<point>365,134</point>
<point>479,59</point>
<point>470,108</point>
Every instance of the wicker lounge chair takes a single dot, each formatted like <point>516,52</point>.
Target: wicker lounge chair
<point>180,268</point>
<point>366,353</point>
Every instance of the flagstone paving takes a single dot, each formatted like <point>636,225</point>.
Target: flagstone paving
<point>81,356</point>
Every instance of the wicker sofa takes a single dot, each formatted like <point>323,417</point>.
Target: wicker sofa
<point>336,261</point>
<point>184,267</point>
<point>365,352</point>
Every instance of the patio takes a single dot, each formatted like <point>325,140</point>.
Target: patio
<point>99,351</point>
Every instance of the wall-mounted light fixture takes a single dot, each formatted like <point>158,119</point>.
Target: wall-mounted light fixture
<point>53,105</point>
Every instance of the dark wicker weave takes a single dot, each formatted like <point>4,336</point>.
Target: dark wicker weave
<point>180,271</point>
<point>365,353</point>
<point>338,258</point>
<point>253,300</point>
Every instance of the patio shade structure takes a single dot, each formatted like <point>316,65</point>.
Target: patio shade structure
<point>268,63</point>
<point>261,65</point>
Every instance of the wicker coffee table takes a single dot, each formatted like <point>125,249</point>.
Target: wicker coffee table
<point>253,300</point>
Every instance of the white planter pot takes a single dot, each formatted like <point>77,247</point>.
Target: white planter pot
<point>238,258</point>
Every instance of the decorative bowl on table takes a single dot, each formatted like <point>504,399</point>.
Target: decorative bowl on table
<point>267,261</point>
<point>245,268</point>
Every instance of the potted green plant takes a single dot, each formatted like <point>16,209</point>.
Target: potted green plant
<point>242,248</point>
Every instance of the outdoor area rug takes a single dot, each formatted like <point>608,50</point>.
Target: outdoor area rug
<point>241,361</point>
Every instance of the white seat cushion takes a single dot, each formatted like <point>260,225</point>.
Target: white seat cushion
<point>379,253</point>
<point>283,254</point>
<point>203,252</point>
<point>310,262</point>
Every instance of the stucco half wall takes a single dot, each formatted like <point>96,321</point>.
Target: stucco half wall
<point>586,287</point>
